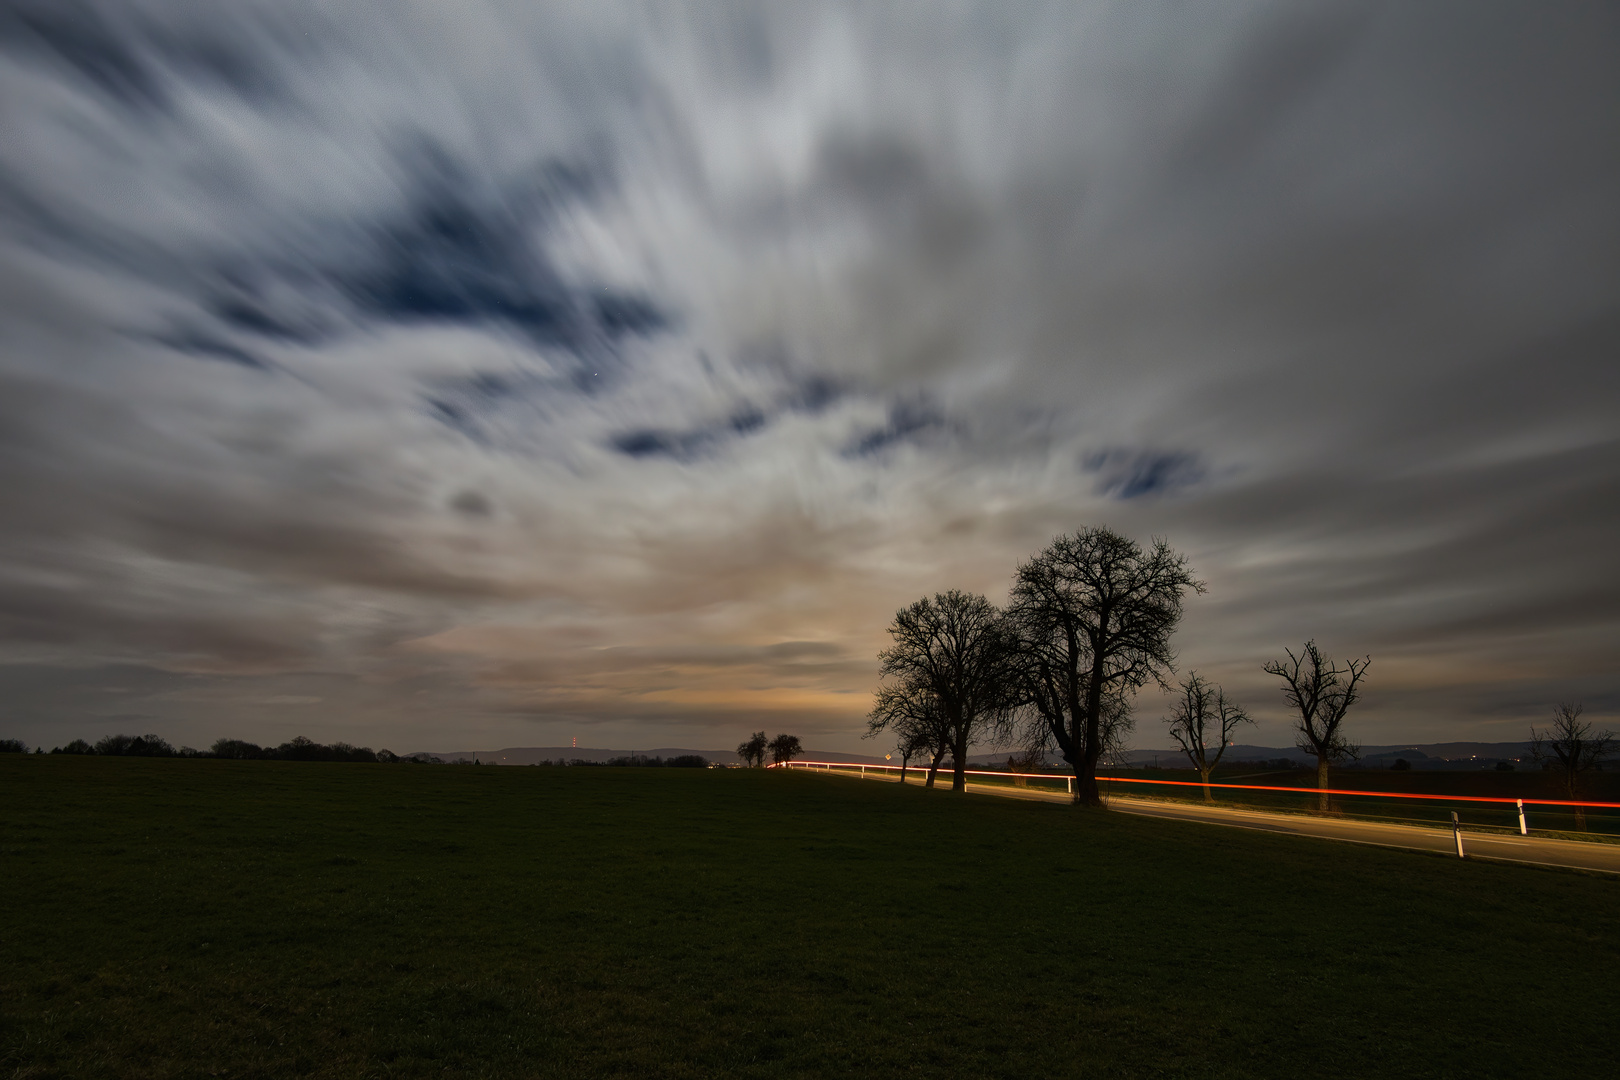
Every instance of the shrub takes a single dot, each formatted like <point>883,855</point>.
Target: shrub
<point>136,746</point>
<point>237,749</point>
<point>77,746</point>
<point>1401,765</point>
<point>13,746</point>
<point>342,751</point>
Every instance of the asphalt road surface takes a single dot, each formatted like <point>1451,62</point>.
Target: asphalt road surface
<point>1541,851</point>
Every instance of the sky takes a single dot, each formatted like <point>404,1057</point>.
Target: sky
<point>449,375</point>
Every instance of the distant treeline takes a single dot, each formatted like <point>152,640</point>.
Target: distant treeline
<point>299,749</point>
<point>302,749</point>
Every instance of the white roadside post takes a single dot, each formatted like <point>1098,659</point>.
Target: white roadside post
<point>1524,830</point>
<point>1456,833</point>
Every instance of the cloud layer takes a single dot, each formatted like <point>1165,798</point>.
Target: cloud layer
<point>426,377</point>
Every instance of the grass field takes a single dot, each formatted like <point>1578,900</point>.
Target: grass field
<point>256,919</point>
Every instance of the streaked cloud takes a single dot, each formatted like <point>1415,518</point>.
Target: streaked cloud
<point>416,375</point>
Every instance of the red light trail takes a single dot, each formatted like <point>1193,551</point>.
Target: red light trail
<point>1239,787</point>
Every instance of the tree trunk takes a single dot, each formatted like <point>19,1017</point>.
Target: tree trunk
<point>1572,790</point>
<point>933,767</point>
<point>959,775</point>
<point>1203,775</point>
<point>1322,782</point>
<point>1085,779</point>
<point>1086,790</point>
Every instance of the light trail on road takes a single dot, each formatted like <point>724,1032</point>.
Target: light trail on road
<point>1534,850</point>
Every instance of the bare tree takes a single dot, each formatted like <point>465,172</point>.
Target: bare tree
<point>753,751</point>
<point>911,712</point>
<point>1094,613</point>
<point>1200,714</point>
<point>1321,692</point>
<point>955,645</point>
<point>785,748</point>
<point>1113,730</point>
<point>1570,747</point>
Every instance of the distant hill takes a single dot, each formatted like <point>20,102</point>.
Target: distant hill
<point>1451,755</point>
<point>533,755</point>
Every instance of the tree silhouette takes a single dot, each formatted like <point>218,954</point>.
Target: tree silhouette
<point>785,748</point>
<point>1321,692</point>
<point>752,751</point>
<point>911,712</point>
<point>1570,747</point>
<point>1094,613</point>
<point>1199,715</point>
<point>955,645</point>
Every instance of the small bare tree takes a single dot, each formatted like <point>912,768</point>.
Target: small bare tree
<point>1570,747</point>
<point>753,751</point>
<point>1201,714</point>
<point>911,712</point>
<point>1321,692</point>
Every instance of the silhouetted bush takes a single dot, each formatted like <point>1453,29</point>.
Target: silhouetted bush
<point>1504,766</point>
<point>304,749</point>
<point>13,746</point>
<point>77,746</point>
<point>641,761</point>
<point>136,746</point>
<point>387,757</point>
<point>300,749</point>
<point>237,750</point>
<point>1401,765</point>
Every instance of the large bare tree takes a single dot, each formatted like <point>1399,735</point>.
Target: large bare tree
<point>955,645</point>
<point>1570,747</point>
<point>911,713</point>
<point>1094,613</point>
<point>1321,692</point>
<point>1201,715</point>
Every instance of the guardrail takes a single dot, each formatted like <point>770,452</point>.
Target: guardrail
<point>1492,812</point>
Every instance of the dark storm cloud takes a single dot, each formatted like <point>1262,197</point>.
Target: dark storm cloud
<point>908,421</point>
<point>547,364</point>
<point>130,59</point>
<point>446,259</point>
<point>691,443</point>
<point>1131,474</point>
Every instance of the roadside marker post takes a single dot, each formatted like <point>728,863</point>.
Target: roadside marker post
<point>1456,833</point>
<point>1524,830</point>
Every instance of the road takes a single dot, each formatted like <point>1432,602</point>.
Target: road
<point>1541,851</point>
